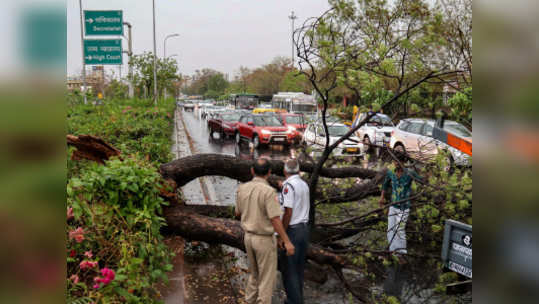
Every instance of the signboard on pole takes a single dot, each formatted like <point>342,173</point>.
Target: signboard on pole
<point>103,51</point>
<point>457,247</point>
<point>103,23</point>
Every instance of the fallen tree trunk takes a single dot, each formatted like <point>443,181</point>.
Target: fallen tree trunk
<point>319,234</point>
<point>184,220</point>
<point>193,226</point>
<point>185,169</point>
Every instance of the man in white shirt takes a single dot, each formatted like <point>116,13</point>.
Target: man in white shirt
<point>294,199</point>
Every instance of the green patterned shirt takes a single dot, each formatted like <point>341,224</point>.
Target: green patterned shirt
<point>400,187</point>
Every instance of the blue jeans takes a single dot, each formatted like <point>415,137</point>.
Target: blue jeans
<point>293,267</point>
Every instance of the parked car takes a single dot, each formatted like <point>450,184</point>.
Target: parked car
<point>376,131</point>
<point>188,106</point>
<point>295,123</point>
<point>316,137</point>
<point>225,124</point>
<point>414,137</point>
<point>205,109</point>
<point>262,129</point>
<point>210,113</point>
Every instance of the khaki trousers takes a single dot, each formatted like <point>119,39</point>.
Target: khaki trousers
<point>262,256</point>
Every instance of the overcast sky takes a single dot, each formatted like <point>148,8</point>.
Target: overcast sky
<point>217,34</point>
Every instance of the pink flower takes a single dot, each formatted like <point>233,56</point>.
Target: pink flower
<point>96,286</point>
<point>88,254</point>
<point>87,264</point>
<point>74,278</point>
<point>108,276</point>
<point>77,234</point>
<point>69,213</point>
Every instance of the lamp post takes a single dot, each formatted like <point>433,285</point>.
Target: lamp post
<point>154,58</point>
<point>83,59</point>
<point>165,44</point>
<point>292,17</point>
<point>165,56</point>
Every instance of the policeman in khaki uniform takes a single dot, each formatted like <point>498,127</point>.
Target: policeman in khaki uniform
<point>258,206</point>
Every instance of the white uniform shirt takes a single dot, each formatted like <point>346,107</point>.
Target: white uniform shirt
<point>295,195</point>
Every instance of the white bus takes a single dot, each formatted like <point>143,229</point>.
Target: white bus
<point>294,102</point>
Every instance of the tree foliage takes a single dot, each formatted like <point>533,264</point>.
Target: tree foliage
<point>167,74</point>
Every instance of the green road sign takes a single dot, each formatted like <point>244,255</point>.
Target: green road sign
<point>101,23</point>
<point>103,51</point>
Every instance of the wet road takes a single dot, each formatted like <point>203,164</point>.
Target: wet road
<point>223,191</point>
<point>224,188</point>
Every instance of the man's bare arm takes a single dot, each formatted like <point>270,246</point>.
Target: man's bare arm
<point>286,217</point>
<point>278,226</point>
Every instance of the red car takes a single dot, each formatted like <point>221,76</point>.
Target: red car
<point>224,123</point>
<point>295,123</point>
<point>263,129</point>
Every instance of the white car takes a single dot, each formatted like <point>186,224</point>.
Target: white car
<point>414,136</point>
<point>376,131</point>
<point>315,137</point>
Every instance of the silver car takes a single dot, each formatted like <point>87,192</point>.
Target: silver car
<point>414,136</point>
<point>376,131</point>
<point>315,137</point>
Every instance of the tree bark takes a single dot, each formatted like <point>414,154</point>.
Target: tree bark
<point>91,148</point>
<point>193,226</point>
<point>186,169</point>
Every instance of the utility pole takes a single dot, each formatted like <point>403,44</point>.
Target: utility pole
<point>165,57</point>
<point>292,17</point>
<point>82,49</point>
<point>130,65</point>
<point>154,59</point>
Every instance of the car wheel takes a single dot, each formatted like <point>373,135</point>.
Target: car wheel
<point>238,138</point>
<point>256,141</point>
<point>222,135</point>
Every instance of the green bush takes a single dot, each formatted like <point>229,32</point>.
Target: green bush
<point>115,251</point>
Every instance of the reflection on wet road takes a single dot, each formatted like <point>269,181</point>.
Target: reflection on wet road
<point>224,187</point>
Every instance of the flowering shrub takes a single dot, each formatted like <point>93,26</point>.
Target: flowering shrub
<point>114,248</point>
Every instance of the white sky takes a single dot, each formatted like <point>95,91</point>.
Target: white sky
<point>217,34</point>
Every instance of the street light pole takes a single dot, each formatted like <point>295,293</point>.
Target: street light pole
<point>165,57</point>
<point>292,17</point>
<point>165,44</point>
<point>82,47</point>
<point>130,64</point>
<point>154,58</point>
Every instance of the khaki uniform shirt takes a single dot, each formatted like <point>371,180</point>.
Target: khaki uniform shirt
<point>257,202</point>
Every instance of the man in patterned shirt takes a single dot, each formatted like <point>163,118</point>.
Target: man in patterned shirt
<point>400,182</point>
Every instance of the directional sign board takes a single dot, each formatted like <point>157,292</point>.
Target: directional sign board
<point>103,51</point>
<point>103,23</point>
<point>457,247</point>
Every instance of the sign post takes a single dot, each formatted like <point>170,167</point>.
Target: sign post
<point>103,51</point>
<point>457,247</point>
<point>103,23</point>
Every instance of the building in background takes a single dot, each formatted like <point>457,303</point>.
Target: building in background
<point>95,80</point>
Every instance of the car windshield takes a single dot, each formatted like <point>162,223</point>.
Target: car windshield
<point>297,120</point>
<point>266,121</point>
<point>338,131</point>
<point>457,129</point>
<point>303,108</point>
<point>381,120</point>
<point>234,117</point>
